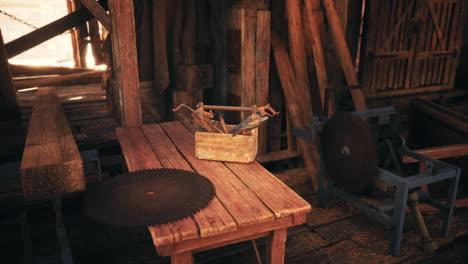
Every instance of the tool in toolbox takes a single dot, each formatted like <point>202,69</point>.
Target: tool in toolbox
<point>202,117</point>
<point>149,197</point>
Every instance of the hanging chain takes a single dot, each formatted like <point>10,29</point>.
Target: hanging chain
<point>26,23</point>
<point>17,19</point>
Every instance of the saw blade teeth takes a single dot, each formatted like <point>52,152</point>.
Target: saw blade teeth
<point>135,207</point>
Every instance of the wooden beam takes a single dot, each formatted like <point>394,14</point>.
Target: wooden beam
<point>8,104</point>
<point>47,32</point>
<point>99,12</point>
<point>312,29</point>
<point>443,114</point>
<point>18,69</point>
<point>298,53</point>
<point>63,80</point>
<point>443,152</point>
<point>125,64</point>
<point>295,105</point>
<point>51,164</point>
<point>343,54</point>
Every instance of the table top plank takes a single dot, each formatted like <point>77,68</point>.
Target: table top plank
<point>212,220</point>
<point>139,155</point>
<point>241,202</point>
<point>266,186</point>
<point>275,194</point>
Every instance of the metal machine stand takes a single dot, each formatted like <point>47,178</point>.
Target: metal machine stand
<point>391,212</point>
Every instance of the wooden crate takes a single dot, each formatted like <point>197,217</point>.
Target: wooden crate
<point>226,147</point>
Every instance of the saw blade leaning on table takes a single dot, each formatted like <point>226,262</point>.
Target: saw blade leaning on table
<point>149,197</point>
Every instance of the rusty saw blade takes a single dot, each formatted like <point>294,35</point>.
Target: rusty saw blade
<point>149,197</point>
<point>349,152</point>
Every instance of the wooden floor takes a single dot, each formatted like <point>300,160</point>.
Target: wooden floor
<point>335,235</point>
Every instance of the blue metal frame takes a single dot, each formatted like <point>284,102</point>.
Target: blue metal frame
<point>435,171</point>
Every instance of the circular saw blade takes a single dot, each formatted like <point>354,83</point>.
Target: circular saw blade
<point>149,197</point>
<point>349,152</point>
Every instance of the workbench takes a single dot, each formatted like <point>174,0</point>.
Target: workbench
<point>250,202</point>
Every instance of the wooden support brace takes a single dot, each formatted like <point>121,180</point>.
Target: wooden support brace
<point>99,12</point>
<point>343,54</point>
<point>47,32</point>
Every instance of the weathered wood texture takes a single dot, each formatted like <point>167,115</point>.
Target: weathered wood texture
<point>400,60</point>
<point>8,104</point>
<point>62,80</point>
<point>194,77</point>
<point>296,104</point>
<point>161,67</point>
<point>225,147</point>
<point>249,61</point>
<point>441,152</point>
<point>312,29</point>
<point>241,55</point>
<point>298,56</point>
<point>47,32</point>
<point>124,64</point>
<point>343,54</point>
<point>262,71</point>
<point>18,69</point>
<point>455,120</point>
<point>98,12</point>
<point>244,205</point>
<point>51,164</point>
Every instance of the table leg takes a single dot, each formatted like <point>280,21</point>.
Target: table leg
<point>276,244</point>
<point>182,258</point>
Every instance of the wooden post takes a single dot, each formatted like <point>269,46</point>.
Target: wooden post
<point>249,61</point>
<point>9,109</point>
<point>125,64</point>
<point>343,54</point>
<point>262,68</point>
<point>241,56</point>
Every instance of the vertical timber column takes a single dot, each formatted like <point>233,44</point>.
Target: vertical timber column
<point>262,72</point>
<point>249,61</point>
<point>9,109</point>
<point>125,64</point>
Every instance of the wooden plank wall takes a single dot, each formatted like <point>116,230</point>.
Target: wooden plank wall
<point>414,46</point>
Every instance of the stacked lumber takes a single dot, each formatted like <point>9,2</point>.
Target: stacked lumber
<point>86,77</point>
<point>51,164</point>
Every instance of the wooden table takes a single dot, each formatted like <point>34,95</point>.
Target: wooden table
<point>250,202</point>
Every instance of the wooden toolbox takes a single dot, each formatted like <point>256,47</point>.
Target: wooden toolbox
<point>226,147</point>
